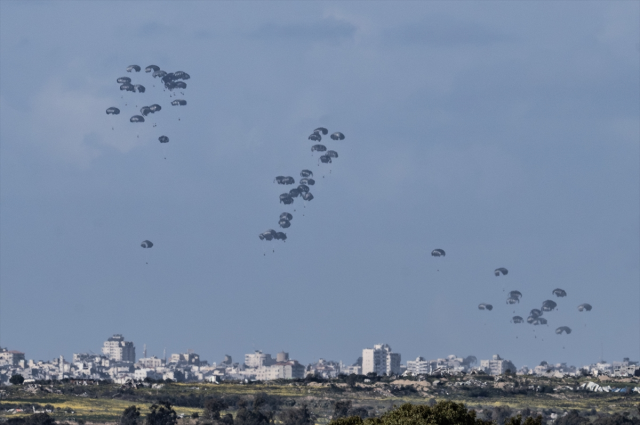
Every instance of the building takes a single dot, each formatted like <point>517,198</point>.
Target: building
<point>151,362</point>
<point>188,358</point>
<point>419,366</point>
<point>11,358</point>
<point>380,360</point>
<point>258,359</point>
<point>625,368</point>
<point>281,370</point>
<point>497,366</point>
<point>116,348</point>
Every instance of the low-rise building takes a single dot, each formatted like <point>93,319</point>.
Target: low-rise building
<point>497,366</point>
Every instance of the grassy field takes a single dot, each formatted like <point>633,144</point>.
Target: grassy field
<point>105,403</point>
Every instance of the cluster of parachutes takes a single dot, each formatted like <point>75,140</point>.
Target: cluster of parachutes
<point>303,189</point>
<point>170,81</point>
<point>535,315</point>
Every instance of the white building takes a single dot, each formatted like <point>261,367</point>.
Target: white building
<point>141,374</point>
<point>188,358</point>
<point>11,358</point>
<point>419,366</point>
<point>116,348</point>
<point>259,359</point>
<point>497,366</point>
<point>281,370</point>
<point>380,360</point>
<point>150,362</point>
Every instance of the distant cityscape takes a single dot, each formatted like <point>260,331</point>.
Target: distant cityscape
<point>118,363</point>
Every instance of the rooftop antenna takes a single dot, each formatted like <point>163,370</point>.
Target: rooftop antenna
<point>144,351</point>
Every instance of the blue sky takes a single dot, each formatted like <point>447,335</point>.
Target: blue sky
<point>505,133</point>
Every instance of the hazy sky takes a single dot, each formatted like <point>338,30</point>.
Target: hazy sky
<point>506,133</point>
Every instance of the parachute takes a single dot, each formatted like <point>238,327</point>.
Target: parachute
<point>515,294</point>
<point>337,136</point>
<point>136,118</point>
<point>438,253</point>
<point>584,307</point>
<point>315,137</point>
<point>309,182</point>
<point>152,68</point>
<point>284,180</point>
<point>145,110</point>
<point>113,111</point>
<point>318,148</point>
<point>332,154</point>
<point>155,107</point>
<point>321,130</point>
<point>180,85</point>
<point>286,216</point>
<point>513,300</point>
<point>295,192</point>
<point>502,271</point>
<point>179,102</point>
<point>549,305</point>
<point>281,236</point>
<point>303,188</point>
<point>306,173</point>
<point>127,87</point>
<point>485,307</point>
<point>123,80</point>
<point>133,68</point>
<point>286,199</point>
<point>139,88</point>
<point>146,244</point>
<point>559,292</point>
<point>325,159</point>
<point>284,223</point>
<point>565,329</point>
<point>163,139</point>
<point>268,235</point>
<point>159,74</point>
<point>535,313</point>
<point>517,319</point>
<point>307,196</point>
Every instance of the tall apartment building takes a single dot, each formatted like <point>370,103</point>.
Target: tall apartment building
<point>380,360</point>
<point>258,359</point>
<point>116,348</point>
<point>497,366</point>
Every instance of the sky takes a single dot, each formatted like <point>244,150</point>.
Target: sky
<point>505,133</point>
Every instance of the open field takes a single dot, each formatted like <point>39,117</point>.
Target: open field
<point>105,402</point>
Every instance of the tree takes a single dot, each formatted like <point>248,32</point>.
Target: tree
<point>40,419</point>
<point>517,420</point>
<point>130,416</point>
<point>297,416</point>
<point>500,414</point>
<point>341,409</point>
<point>162,414</point>
<point>352,380</point>
<point>442,413</point>
<point>255,415</point>
<point>571,418</point>
<point>16,379</point>
<point>213,406</point>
